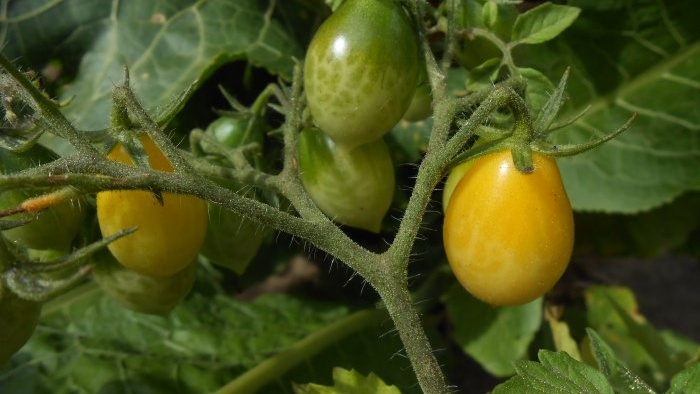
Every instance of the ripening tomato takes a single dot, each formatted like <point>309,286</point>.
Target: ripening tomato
<point>508,235</point>
<point>361,70</point>
<point>169,235</point>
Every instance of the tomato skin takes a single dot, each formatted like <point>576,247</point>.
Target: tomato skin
<point>455,175</point>
<point>361,70</point>
<point>169,235</point>
<point>509,236</point>
<point>232,240</point>
<point>353,187</point>
<point>142,293</point>
<point>18,319</point>
<point>421,104</point>
<point>55,227</point>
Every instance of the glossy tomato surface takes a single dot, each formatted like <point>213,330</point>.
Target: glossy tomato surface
<point>508,235</point>
<point>353,187</point>
<point>361,70</point>
<point>169,236</point>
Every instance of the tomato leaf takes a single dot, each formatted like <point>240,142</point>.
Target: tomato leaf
<point>613,313</point>
<point>349,382</point>
<point>641,59</point>
<point>686,382</point>
<point>620,376</point>
<point>167,45</point>
<point>556,372</point>
<point>543,23</point>
<point>495,337</point>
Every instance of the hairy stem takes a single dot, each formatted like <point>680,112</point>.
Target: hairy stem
<point>397,300</point>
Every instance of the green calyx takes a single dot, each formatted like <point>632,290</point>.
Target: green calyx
<point>529,134</point>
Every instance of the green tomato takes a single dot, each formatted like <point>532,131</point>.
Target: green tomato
<point>156,295</point>
<point>231,131</point>
<point>361,70</point>
<point>55,227</point>
<point>18,319</point>
<point>232,241</point>
<point>353,187</point>
<point>421,105</point>
<point>453,179</point>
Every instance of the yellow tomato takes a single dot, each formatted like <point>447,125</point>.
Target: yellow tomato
<point>508,235</point>
<point>169,235</point>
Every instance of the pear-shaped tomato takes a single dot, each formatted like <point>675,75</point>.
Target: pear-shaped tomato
<point>508,235</point>
<point>353,187</point>
<point>53,228</point>
<point>18,319</point>
<point>232,240</point>
<point>169,235</point>
<point>156,295</point>
<point>361,70</point>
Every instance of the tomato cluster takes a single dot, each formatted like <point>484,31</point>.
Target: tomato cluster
<point>361,73</point>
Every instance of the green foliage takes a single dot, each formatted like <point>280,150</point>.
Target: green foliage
<point>349,382</point>
<point>495,337</point>
<point>624,57</point>
<point>167,45</point>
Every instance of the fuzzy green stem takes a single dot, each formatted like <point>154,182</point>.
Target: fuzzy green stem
<point>397,300</point>
<point>277,365</point>
<point>50,114</point>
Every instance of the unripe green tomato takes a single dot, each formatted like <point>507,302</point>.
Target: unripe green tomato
<point>508,236</point>
<point>231,131</point>
<point>169,235</point>
<point>232,241</point>
<point>421,105</point>
<point>453,179</point>
<point>18,319</point>
<point>361,70</point>
<point>55,227</point>
<point>353,187</point>
<point>142,293</point>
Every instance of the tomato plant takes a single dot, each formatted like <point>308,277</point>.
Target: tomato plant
<point>352,187</point>
<point>169,234</point>
<point>508,235</point>
<point>361,70</point>
<point>322,294</point>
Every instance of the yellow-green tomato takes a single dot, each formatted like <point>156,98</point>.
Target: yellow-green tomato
<point>142,293</point>
<point>169,235</point>
<point>353,187</point>
<point>361,70</point>
<point>55,227</point>
<point>508,235</point>
<point>453,179</point>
